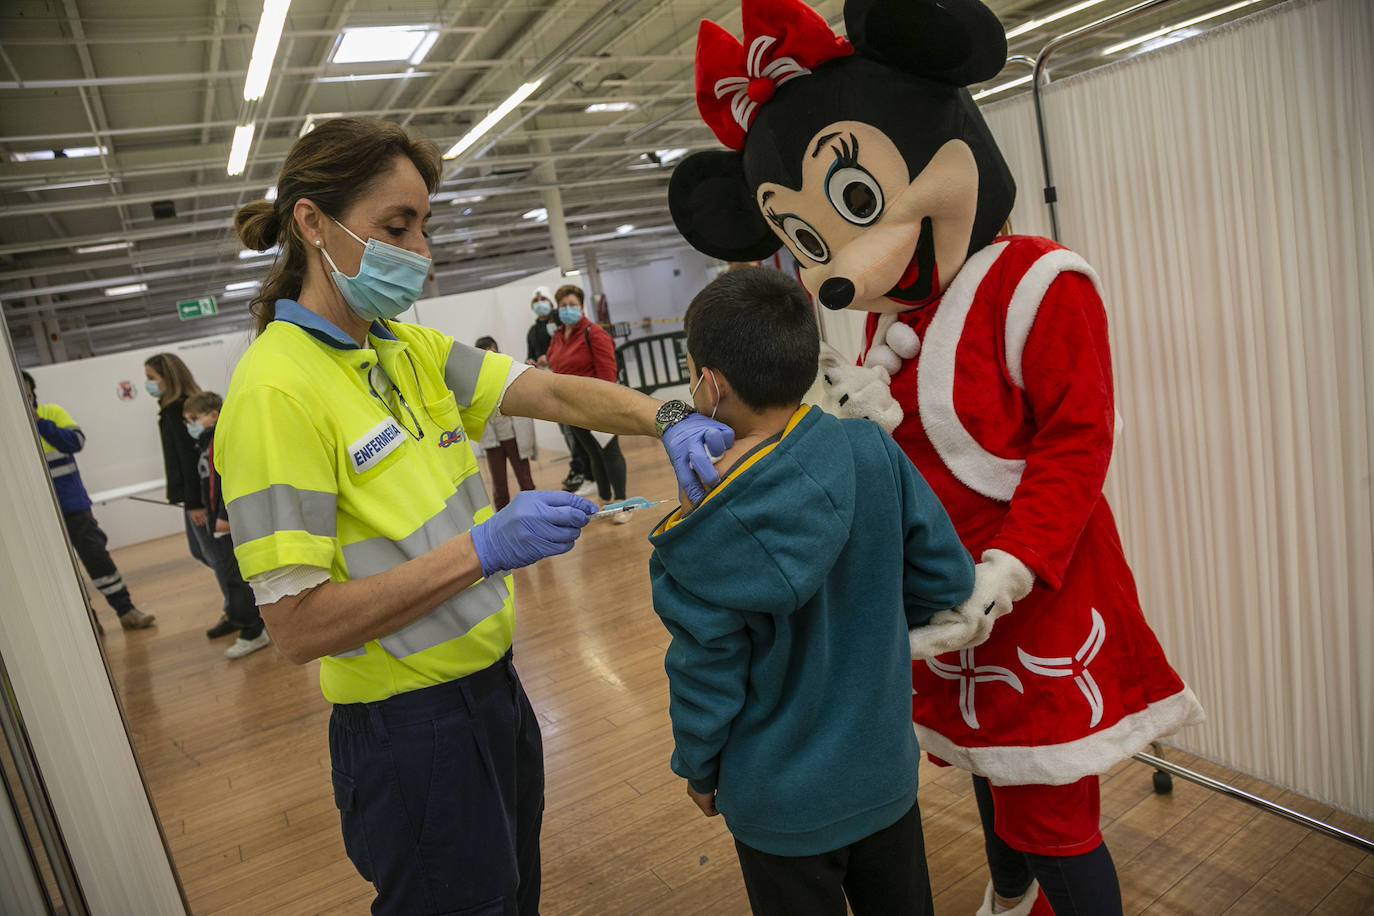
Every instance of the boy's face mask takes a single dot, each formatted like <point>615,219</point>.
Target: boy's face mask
<point>195,428</point>
<point>693,393</point>
<point>388,282</point>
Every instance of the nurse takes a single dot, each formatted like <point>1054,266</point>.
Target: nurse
<point>361,522</point>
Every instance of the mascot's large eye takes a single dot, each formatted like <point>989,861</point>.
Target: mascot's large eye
<point>855,194</point>
<point>807,240</point>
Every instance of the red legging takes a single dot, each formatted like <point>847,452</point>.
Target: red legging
<point>496,463</point>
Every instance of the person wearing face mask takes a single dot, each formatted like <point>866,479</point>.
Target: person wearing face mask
<point>361,522</point>
<point>537,341</point>
<point>582,347</point>
<point>62,438</point>
<point>241,610</point>
<point>170,382</point>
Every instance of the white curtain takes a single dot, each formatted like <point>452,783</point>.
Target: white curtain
<point>1222,188</point>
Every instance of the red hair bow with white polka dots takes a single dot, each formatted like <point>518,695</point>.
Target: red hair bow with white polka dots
<point>783,39</point>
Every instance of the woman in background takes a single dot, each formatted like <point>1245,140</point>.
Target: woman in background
<point>506,439</point>
<point>582,347</point>
<point>170,382</point>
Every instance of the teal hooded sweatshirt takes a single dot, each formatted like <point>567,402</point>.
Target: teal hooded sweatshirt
<point>788,593</point>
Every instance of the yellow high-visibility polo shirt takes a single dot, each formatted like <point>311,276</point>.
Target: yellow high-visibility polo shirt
<point>324,465</point>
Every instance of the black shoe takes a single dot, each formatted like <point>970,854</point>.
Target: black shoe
<point>223,628</point>
<point>573,481</point>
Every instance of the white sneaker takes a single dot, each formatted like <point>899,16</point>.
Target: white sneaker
<point>621,518</point>
<point>587,489</point>
<point>242,647</point>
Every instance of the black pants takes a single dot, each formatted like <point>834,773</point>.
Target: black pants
<point>1082,885</point>
<point>884,874</point>
<point>89,542</point>
<point>441,796</point>
<point>239,604</point>
<point>607,464</point>
<point>577,461</point>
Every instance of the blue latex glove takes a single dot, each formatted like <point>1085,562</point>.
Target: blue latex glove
<point>690,443</point>
<point>534,525</point>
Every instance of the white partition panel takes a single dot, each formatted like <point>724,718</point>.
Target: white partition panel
<point>1221,187</point>
<point>62,689</point>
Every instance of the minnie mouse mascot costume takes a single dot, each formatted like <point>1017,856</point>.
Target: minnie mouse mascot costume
<point>867,158</point>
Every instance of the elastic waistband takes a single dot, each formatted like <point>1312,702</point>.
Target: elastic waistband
<point>427,703</point>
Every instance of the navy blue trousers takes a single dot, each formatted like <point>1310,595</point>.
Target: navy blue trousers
<point>441,796</point>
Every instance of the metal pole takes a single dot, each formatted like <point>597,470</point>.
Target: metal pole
<point>1051,194</point>
<point>1311,823</point>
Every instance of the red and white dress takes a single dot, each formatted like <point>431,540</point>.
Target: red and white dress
<point>1009,416</point>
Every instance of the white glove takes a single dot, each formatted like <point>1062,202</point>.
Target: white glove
<point>998,581</point>
<point>845,390</point>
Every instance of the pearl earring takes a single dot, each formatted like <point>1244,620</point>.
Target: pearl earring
<point>318,243</point>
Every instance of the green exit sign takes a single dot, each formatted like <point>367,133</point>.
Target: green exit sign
<point>196,308</point>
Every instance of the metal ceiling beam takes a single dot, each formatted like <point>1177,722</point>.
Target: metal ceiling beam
<point>215,36</point>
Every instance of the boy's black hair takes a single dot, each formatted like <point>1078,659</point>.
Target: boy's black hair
<point>29,378</point>
<point>755,326</point>
<point>484,342</point>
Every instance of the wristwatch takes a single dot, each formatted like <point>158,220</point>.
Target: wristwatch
<point>671,412</point>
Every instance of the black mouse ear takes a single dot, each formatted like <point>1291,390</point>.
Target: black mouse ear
<point>959,42</point>
<point>714,208</point>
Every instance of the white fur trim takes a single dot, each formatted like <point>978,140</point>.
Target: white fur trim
<point>903,340</point>
<point>1021,909</point>
<point>1030,291</point>
<point>882,356</point>
<point>976,468</point>
<point>1062,764</point>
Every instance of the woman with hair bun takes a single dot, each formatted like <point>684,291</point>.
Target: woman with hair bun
<point>362,524</point>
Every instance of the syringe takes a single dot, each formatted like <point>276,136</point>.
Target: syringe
<point>629,505</point>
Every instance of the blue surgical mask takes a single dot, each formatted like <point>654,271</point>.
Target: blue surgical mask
<point>153,388</point>
<point>388,282</point>
<point>542,308</point>
<point>569,314</point>
<point>195,429</point>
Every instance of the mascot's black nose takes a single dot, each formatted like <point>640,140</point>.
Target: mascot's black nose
<point>837,293</point>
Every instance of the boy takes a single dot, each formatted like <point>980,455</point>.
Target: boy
<point>788,592</point>
<point>62,439</point>
<point>201,413</point>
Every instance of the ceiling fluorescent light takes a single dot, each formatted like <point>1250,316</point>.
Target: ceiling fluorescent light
<point>238,151</point>
<point>493,118</point>
<point>247,253</point>
<point>126,290</point>
<point>599,107</point>
<point>270,193</point>
<point>96,249</point>
<point>1003,87</point>
<point>666,156</point>
<point>538,214</point>
<point>264,49</point>
<point>624,229</point>
<point>469,199</point>
<point>73,152</point>
<point>1178,25</point>
<point>373,44</point>
<point>1034,24</point>
<point>245,284</point>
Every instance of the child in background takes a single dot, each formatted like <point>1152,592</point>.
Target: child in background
<point>788,592</point>
<point>201,413</point>
<point>506,439</point>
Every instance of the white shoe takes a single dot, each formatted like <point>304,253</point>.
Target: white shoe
<point>242,647</point>
<point>587,489</point>
<point>1021,909</point>
<point>622,518</point>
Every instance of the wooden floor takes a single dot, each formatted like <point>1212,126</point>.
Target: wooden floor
<point>236,756</point>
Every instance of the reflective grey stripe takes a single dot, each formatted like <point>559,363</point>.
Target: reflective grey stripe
<point>458,614</point>
<point>61,470</point>
<point>109,585</point>
<point>282,508</point>
<point>461,370</point>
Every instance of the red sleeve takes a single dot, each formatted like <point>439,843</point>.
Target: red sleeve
<point>1067,370</point>
<point>603,354</point>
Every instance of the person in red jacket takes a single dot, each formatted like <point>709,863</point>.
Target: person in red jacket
<point>581,347</point>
